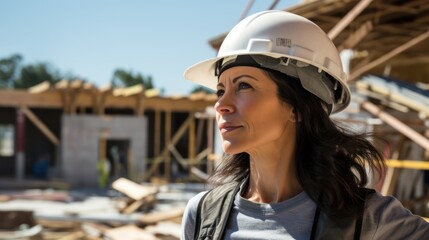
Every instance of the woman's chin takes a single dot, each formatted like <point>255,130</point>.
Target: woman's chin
<point>230,149</point>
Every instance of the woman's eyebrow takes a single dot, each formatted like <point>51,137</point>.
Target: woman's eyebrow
<point>219,84</point>
<point>234,80</point>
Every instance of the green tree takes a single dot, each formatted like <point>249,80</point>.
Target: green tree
<point>202,89</point>
<point>122,78</point>
<point>8,70</point>
<point>14,75</point>
<point>31,75</point>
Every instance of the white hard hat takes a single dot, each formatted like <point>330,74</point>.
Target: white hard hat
<point>287,43</point>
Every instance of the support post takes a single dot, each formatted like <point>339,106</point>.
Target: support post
<point>191,143</point>
<point>20,153</point>
<point>167,144</point>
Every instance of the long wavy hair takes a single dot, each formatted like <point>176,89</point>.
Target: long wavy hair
<point>331,161</point>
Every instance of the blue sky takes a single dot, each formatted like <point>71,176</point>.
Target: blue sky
<point>92,38</point>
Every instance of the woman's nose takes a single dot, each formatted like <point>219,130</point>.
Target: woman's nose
<point>224,104</point>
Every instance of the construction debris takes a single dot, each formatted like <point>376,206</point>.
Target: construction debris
<point>131,211</point>
<point>141,196</point>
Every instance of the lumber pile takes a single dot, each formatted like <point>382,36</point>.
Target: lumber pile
<point>134,213</point>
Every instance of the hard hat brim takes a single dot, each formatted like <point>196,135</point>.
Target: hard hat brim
<point>203,73</point>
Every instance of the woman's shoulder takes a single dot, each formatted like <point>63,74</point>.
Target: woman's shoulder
<point>386,216</point>
<point>193,202</point>
<point>385,206</point>
<point>188,220</point>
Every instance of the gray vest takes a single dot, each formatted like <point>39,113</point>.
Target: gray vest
<point>215,206</point>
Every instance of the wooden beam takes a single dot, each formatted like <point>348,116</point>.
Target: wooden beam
<point>191,142</point>
<point>63,84</point>
<point>210,144</point>
<point>354,38</point>
<point>73,95</point>
<point>396,124</point>
<point>167,157</point>
<point>357,72</point>
<point>408,164</point>
<point>139,108</point>
<point>153,92</point>
<point>76,84</point>
<point>132,189</point>
<point>56,99</point>
<point>89,86</point>
<point>157,135</point>
<point>246,10</point>
<point>40,125</point>
<point>273,4</point>
<point>179,133</point>
<point>153,218</point>
<point>39,88</point>
<point>118,91</point>
<point>388,95</point>
<point>133,90</point>
<point>350,16</point>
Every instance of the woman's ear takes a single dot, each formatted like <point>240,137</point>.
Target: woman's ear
<point>294,116</point>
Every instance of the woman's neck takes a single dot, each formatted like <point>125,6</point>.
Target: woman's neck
<point>272,177</point>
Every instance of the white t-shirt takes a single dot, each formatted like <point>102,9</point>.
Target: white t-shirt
<point>384,218</point>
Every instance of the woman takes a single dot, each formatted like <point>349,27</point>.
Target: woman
<point>289,171</point>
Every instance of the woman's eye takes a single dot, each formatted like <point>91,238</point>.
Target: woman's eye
<point>244,85</point>
<point>220,93</point>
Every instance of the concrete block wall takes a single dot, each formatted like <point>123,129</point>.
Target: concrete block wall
<point>80,139</point>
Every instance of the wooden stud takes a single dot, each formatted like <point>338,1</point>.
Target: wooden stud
<point>168,141</point>
<point>408,164</point>
<point>396,124</point>
<point>357,72</point>
<point>354,38</point>
<point>39,88</point>
<point>40,125</point>
<point>210,145</point>
<point>179,133</point>
<point>350,16</point>
<point>191,143</point>
<point>157,135</point>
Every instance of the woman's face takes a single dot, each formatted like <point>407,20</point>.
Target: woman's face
<point>249,114</point>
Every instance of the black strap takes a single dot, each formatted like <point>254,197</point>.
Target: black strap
<point>217,227</point>
<point>358,226</point>
<point>315,223</point>
<point>213,211</point>
<point>198,217</point>
<point>330,224</point>
<point>229,208</point>
<point>365,192</point>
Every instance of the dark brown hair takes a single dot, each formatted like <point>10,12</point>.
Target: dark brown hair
<point>330,160</point>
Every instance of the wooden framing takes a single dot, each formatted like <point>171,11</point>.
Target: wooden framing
<point>40,125</point>
<point>409,164</point>
<point>348,18</point>
<point>384,29</point>
<point>100,99</point>
<point>168,142</point>
<point>76,95</point>
<point>389,55</point>
<point>396,124</point>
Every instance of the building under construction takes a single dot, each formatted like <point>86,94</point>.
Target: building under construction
<point>78,134</point>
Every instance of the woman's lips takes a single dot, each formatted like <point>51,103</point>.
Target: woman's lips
<point>225,127</point>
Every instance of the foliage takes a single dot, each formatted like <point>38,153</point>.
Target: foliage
<point>122,78</point>
<point>8,70</point>
<point>35,74</point>
<point>202,89</point>
<point>13,74</point>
